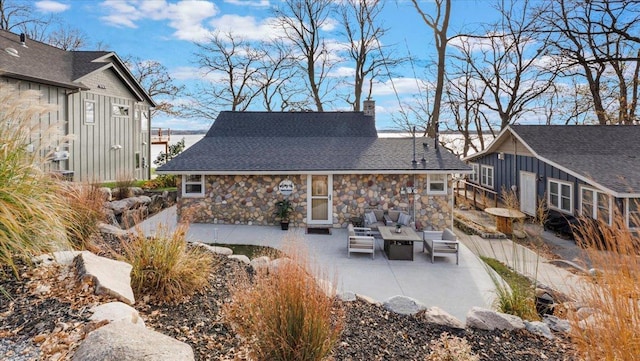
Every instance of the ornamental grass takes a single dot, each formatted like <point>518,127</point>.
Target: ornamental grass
<point>32,214</point>
<point>284,313</point>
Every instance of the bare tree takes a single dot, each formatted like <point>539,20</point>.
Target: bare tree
<point>363,33</point>
<point>275,76</point>
<point>231,66</point>
<point>439,24</point>
<point>67,39</point>
<point>302,22</point>
<point>595,41</point>
<point>155,79</point>
<point>503,63</point>
<point>16,14</point>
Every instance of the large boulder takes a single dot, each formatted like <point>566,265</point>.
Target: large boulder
<point>403,305</point>
<point>109,276</point>
<point>485,319</point>
<point>116,311</point>
<point>441,317</point>
<point>124,341</point>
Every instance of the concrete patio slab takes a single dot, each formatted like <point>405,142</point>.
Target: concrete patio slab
<point>455,289</point>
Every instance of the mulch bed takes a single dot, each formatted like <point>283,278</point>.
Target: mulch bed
<point>50,326</point>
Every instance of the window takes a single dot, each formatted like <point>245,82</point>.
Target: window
<point>192,185</point>
<point>144,121</point>
<point>89,112</point>
<point>473,177</point>
<point>560,196</point>
<point>595,204</point>
<point>119,110</point>
<point>437,184</point>
<point>633,212</point>
<point>486,176</point>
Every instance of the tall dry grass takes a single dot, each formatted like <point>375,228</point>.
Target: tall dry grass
<point>612,332</point>
<point>165,266</point>
<point>284,313</point>
<point>123,185</point>
<point>86,210</point>
<point>31,210</point>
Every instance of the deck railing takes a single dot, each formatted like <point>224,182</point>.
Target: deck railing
<point>476,193</point>
<point>160,135</point>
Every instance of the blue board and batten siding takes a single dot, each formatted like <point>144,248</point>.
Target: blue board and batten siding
<point>507,173</point>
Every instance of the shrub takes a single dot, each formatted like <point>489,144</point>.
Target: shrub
<point>451,348</point>
<point>164,266</point>
<point>86,211</point>
<point>612,331</point>
<point>515,293</point>
<point>285,314</point>
<point>124,183</point>
<point>31,211</point>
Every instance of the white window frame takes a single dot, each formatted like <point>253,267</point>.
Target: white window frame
<point>628,201</point>
<point>559,206</point>
<point>186,182</point>
<point>120,106</point>
<point>431,182</point>
<point>144,120</point>
<point>595,208</point>
<point>484,176</point>
<point>475,176</point>
<point>92,109</point>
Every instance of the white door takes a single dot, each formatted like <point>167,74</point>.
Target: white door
<point>320,206</point>
<point>528,193</point>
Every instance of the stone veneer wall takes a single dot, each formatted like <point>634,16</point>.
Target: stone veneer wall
<point>355,194</point>
<point>251,199</point>
<point>238,199</point>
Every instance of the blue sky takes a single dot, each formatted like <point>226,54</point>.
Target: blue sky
<point>166,31</point>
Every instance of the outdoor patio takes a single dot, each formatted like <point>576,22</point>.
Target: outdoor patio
<point>455,289</point>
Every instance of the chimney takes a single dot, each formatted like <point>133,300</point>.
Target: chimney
<point>23,39</point>
<point>369,108</point>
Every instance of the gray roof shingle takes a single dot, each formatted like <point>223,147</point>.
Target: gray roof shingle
<point>606,155</point>
<point>305,141</point>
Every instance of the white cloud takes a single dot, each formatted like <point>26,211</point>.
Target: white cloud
<point>401,85</point>
<point>184,16</point>
<point>251,3</point>
<point>246,27</point>
<point>343,71</point>
<point>48,6</point>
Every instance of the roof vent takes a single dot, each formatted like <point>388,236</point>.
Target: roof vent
<point>12,52</point>
<point>23,39</point>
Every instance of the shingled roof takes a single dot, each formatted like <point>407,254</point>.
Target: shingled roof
<point>42,63</point>
<point>606,156</point>
<point>295,142</point>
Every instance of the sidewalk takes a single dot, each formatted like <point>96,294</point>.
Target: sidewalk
<point>455,289</point>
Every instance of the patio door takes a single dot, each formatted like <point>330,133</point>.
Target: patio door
<point>528,193</point>
<point>320,206</point>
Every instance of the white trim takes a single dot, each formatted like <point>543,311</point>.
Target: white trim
<point>443,182</point>
<point>120,106</point>
<point>84,111</point>
<point>299,172</point>
<point>184,186</point>
<point>475,174</point>
<point>329,198</point>
<point>482,177</point>
<point>528,176</point>
<point>560,182</point>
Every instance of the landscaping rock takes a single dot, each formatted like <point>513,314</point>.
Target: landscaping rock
<point>485,319</point>
<point>124,341</point>
<point>240,257</point>
<point>441,317</point>
<point>215,249</point>
<point>368,300</point>
<point>519,234</point>
<point>403,305</point>
<point>106,193</point>
<point>347,296</point>
<point>539,328</point>
<point>64,258</point>
<point>109,276</point>
<point>556,324</point>
<point>112,230</point>
<point>260,262</point>
<point>116,311</point>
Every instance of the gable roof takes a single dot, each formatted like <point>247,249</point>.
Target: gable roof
<point>42,63</point>
<point>606,156</point>
<point>295,142</point>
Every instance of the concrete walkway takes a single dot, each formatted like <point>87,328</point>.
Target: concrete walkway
<point>455,289</point>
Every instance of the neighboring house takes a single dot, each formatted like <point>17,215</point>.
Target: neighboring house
<point>591,171</point>
<point>332,165</point>
<point>100,104</point>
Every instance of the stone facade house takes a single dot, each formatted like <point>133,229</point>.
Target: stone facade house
<point>331,165</point>
<point>99,105</point>
<point>578,170</point>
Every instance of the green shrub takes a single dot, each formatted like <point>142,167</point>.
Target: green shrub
<point>31,211</point>
<point>515,293</point>
<point>164,266</point>
<point>285,314</point>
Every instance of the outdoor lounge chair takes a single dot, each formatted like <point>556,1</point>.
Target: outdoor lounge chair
<point>440,243</point>
<point>359,239</point>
